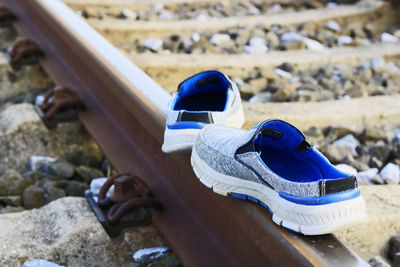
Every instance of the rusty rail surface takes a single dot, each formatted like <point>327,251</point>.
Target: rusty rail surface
<point>124,114</point>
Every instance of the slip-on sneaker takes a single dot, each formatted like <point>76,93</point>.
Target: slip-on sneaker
<point>208,97</point>
<point>274,166</point>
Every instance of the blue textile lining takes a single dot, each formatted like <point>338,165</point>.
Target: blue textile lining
<point>281,156</point>
<point>204,91</point>
<point>332,198</point>
<point>187,125</point>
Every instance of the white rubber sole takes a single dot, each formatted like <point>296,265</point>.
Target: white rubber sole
<point>182,140</point>
<point>305,219</point>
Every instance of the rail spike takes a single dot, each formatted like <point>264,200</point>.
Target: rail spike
<point>125,207</point>
<point>60,104</point>
<point>25,52</point>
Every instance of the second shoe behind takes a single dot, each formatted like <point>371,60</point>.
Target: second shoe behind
<point>274,166</point>
<point>205,98</point>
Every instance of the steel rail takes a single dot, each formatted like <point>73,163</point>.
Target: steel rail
<point>124,114</point>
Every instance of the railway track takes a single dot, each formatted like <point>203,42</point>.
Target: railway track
<point>125,105</point>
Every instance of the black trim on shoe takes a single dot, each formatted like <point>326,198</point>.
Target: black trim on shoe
<point>336,186</point>
<point>205,117</point>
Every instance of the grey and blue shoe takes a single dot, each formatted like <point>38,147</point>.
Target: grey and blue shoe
<point>274,166</point>
<point>208,97</point>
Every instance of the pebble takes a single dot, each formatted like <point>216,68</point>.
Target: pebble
<point>376,62</point>
<point>333,26</point>
<point>36,163</point>
<point>253,10</point>
<point>11,200</point>
<point>282,73</point>
<point>394,246</point>
<point>367,176</point>
<point>39,100</point>
<point>391,173</point>
<point>377,179</point>
<point>61,168</point>
<point>275,8</point>
<point>335,154</point>
<point>313,44</point>
<point>166,15</point>
<point>372,133</point>
<point>40,263</point>
<point>388,38</point>
<point>256,49</point>
<point>262,97</point>
<point>378,261</point>
<point>12,183</point>
<point>344,40</point>
<point>97,183</point>
<point>381,152</point>
<point>87,173</point>
<point>347,169</point>
<point>195,37</point>
<point>148,255</point>
<point>348,141</point>
<point>331,4</point>
<point>218,39</point>
<point>289,37</point>
<point>76,189</point>
<point>126,13</point>
<point>153,44</point>
<point>33,197</point>
<point>52,192</point>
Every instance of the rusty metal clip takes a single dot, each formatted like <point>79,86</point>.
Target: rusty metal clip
<point>6,15</point>
<point>126,206</point>
<point>59,105</point>
<point>24,52</point>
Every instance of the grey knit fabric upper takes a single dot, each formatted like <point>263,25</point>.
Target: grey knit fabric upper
<point>217,145</point>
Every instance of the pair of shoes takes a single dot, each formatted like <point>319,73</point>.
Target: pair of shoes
<point>272,165</point>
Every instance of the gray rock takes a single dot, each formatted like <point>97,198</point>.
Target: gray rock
<point>378,261</point>
<point>391,173</point>
<point>273,39</point>
<point>377,179</point>
<point>126,13</point>
<point>11,200</point>
<point>195,37</point>
<point>148,255</point>
<point>358,164</point>
<point>313,44</point>
<point>219,39</point>
<point>335,132</point>
<point>165,15</point>
<point>67,232</point>
<point>347,169</point>
<point>36,163</point>
<point>87,174</point>
<point>290,37</point>
<point>282,73</point>
<point>52,192</point>
<point>381,152</point>
<point>153,44</point>
<point>394,246</point>
<point>40,263</point>
<point>61,168</point>
<point>33,197</point>
<point>388,38</point>
<point>365,177</point>
<point>12,183</point>
<point>348,141</point>
<point>333,26</point>
<point>344,40</point>
<point>375,163</point>
<point>372,133</point>
<point>76,189</point>
<point>335,154</point>
<point>376,62</point>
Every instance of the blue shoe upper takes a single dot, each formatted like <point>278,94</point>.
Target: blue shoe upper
<point>284,150</point>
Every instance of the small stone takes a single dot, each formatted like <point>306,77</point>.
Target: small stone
<point>365,177</point>
<point>262,97</point>
<point>359,165</point>
<point>255,50</point>
<point>126,13</point>
<point>331,4</point>
<point>273,39</point>
<point>381,152</point>
<point>76,189</point>
<point>378,261</point>
<point>40,263</point>
<point>372,133</point>
<point>166,15</point>
<point>148,255</point>
<point>12,183</point>
<point>36,163</point>
<point>333,26</point>
<point>286,66</point>
<point>253,10</point>
<point>391,173</point>
<point>39,100</point>
<point>153,44</point>
<point>61,168</point>
<point>275,8</point>
<point>33,197</point>
<point>87,174</point>
<point>335,132</point>
<point>375,163</point>
<point>313,44</point>
<point>335,154</point>
<point>282,73</point>
<point>219,39</point>
<point>344,40</point>
<point>289,37</point>
<point>347,169</point>
<point>377,179</point>
<point>388,38</point>
<point>195,37</point>
<point>96,184</point>
<point>348,141</point>
<point>394,246</point>
<point>52,191</point>
<point>376,62</point>
<point>11,200</point>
